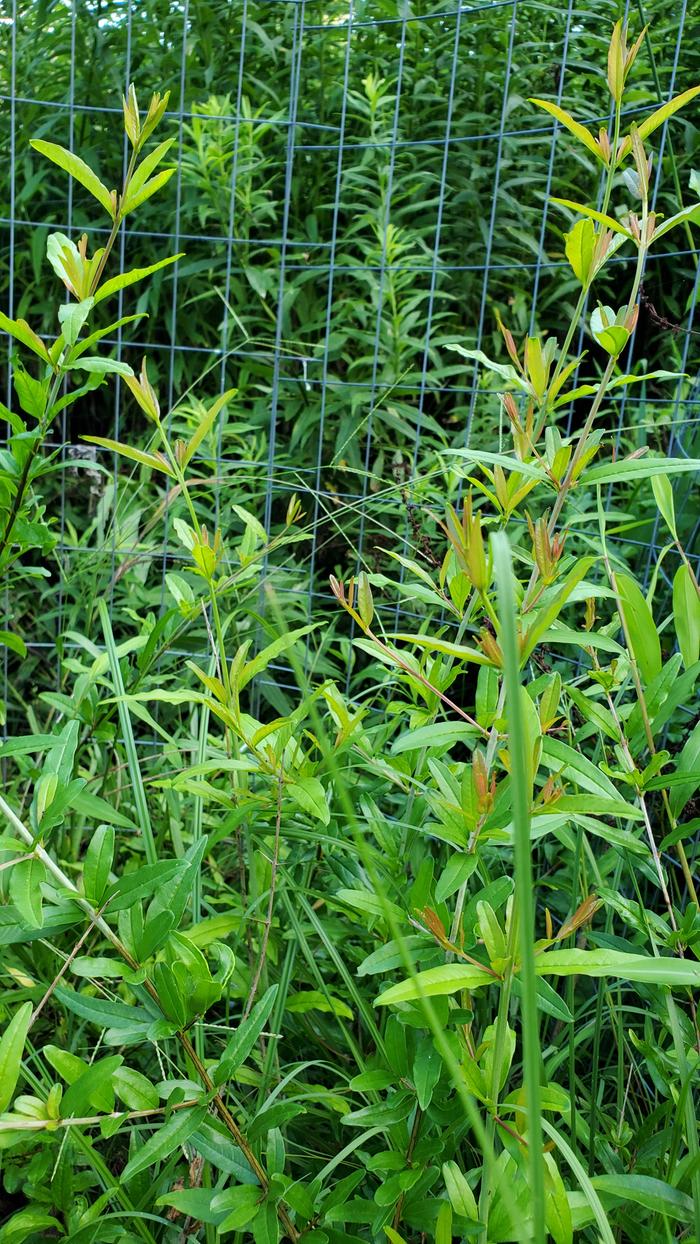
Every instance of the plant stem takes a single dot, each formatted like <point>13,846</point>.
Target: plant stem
<point>524,904</point>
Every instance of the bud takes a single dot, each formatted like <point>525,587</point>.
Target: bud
<point>156,109</point>
<point>616,62</point>
<point>294,511</point>
<point>485,790</point>
<point>132,123</point>
<point>546,550</point>
<point>365,603</point>
<point>510,343</point>
<point>490,648</point>
<point>144,393</point>
<point>207,556</point>
<point>621,59</point>
<point>604,145</point>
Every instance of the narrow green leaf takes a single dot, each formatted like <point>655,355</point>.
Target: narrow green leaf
<point>653,1194</point>
<point>135,455</point>
<point>130,278</point>
<point>98,863</point>
<point>100,366</point>
<point>20,330</point>
<point>574,127</point>
<point>688,764</point>
<point>14,642</point>
<point>619,965</point>
<point>72,316</point>
<point>686,615</point>
<point>637,468</point>
<point>26,880</point>
<point>77,169</point>
<point>449,978</point>
<point>206,423</point>
<point>11,1050</point>
<point>691,213</point>
<point>590,213</point>
<point>666,111</point>
<point>136,197</point>
<point>663,495</point>
<point>458,1190</point>
<point>640,626</point>
<point>169,1137</point>
<point>246,1035</point>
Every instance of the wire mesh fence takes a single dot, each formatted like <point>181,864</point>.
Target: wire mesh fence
<point>358,186</point>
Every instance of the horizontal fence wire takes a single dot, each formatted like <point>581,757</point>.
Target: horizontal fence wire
<point>342,229</point>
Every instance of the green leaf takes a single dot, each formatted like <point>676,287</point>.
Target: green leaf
<point>143,881</point>
<point>72,316</point>
<point>98,366</point>
<point>686,615</point>
<point>449,978</point>
<point>459,869</point>
<point>611,336</point>
<point>135,455</point>
<point>640,626</point>
<point>427,1066</point>
<point>430,644</point>
<point>11,1050</point>
<point>26,879</point>
<point>149,164</point>
<point>14,642</point>
<point>653,1194</point>
<point>206,423</point>
<point>691,213</point>
<point>557,1211</point>
<point>308,792</point>
<point>20,330</point>
<point>574,127</point>
<point>559,757</point>
<point>136,197</point>
<point>689,764</point>
<point>666,110</point>
<point>240,1205</point>
<point>590,213</point>
<point>101,1012</point>
<point>130,278</point>
<point>314,1000</point>
<point>246,1036</point>
<point>92,1089</point>
<point>637,468</point>
<point>98,809</point>
<point>261,661</point>
<point>545,617</point>
<point>663,495</point>
<point>98,863</point>
<point>28,1222</point>
<point>579,246</point>
<point>617,964</point>
<point>618,382</point>
<point>195,1203</point>
<point>77,169</point>
<point>173,1134</point>
<point>458,1190</point>
<point>505,370</point>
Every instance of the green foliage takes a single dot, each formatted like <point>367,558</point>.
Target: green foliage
<point>349,928</point>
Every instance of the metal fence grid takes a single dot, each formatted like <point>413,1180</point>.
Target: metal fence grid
<point>452,260</point>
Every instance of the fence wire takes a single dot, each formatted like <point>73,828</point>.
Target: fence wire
<point>358,185</point>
